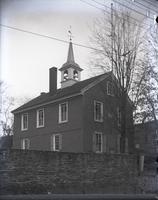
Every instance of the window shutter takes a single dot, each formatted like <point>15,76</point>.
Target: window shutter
<point>104,143</point>
<point>94,110</point>
<point>27,144</point>
<point>94,142</point>
<point>102,112</point>
<point>59,113</point>
<point>60,142</point>
<point>52,143</point>
<point>22,144</point>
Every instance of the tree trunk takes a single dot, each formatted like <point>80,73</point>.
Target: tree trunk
<point>123,122</point>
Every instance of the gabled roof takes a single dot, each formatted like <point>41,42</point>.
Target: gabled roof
<point>46,98</point>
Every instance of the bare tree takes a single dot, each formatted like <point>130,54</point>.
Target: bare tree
<point>6,105</point>
<point>147,102</point>
<point>121,50</point>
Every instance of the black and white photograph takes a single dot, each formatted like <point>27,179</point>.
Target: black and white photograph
<point>78,99</point>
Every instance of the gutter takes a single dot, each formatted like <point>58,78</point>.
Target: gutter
<point>47,103</point>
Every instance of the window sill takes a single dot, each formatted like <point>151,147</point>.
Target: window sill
<point>56,150</point>
<point>24,129</point>
<point>39,126</point>
<point>112,95</point>
<point>98,120</point>
<point>62,122</point>
<point>98,152</point>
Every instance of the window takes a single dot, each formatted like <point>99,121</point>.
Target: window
<point>98,111</point>
<point>25,143</point>
<point>118,117</point>
<point>65,75</point>
<point>24,121</point>
<point>75,74</point>
<point>40,118</point>
<point>56,142</point>
<point>110,89</point>
<point>63,112</point>
<point>98,142</point>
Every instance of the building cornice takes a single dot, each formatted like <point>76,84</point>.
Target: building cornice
<point>46,103</point>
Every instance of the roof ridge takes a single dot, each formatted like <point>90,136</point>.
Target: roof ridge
<point>60,93</point>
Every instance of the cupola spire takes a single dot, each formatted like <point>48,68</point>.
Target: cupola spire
<point>70,71</point>
<point>70,56</point>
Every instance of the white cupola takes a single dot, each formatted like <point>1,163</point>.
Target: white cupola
<point>70,71</point>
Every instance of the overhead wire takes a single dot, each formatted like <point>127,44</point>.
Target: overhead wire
<point>108,12</point>
<point>45,36</point>
<point>61,40</point>
<point>132,9</point>
<point>150,3</point>
<point>120,12</point>
<point>148,25</point>
<point>138,2</point>
<point>93,5</point>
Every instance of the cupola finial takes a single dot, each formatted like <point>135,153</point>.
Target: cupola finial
<point>70,34</point>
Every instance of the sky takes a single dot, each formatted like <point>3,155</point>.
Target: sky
<point>25,58</point>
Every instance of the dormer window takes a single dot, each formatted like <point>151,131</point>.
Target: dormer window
<point>75,74</point>
<point>65,75</point>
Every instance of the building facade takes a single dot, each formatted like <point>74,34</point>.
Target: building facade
<point>81,116</point>
<point>146,137</point>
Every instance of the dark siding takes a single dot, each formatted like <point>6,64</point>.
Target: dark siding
<point>146,137</point>
<point>40,137</point>
<point>109,127</point>
<point>77,133</point>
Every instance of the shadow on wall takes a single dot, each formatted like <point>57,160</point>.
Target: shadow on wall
<point>6,142</point>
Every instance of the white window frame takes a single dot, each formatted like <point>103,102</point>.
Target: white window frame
<point>60,114</point>
<point>22,122</point>
<point>53,142</point>
<point>95,140</point>
<point>108,90</point>
<point>23,144</point>
<point>102,111</point>
<point>37,118</point>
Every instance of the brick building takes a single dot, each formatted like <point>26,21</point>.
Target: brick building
<point>81,116</point>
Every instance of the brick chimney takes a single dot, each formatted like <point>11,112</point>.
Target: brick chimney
<point>52,80</point>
